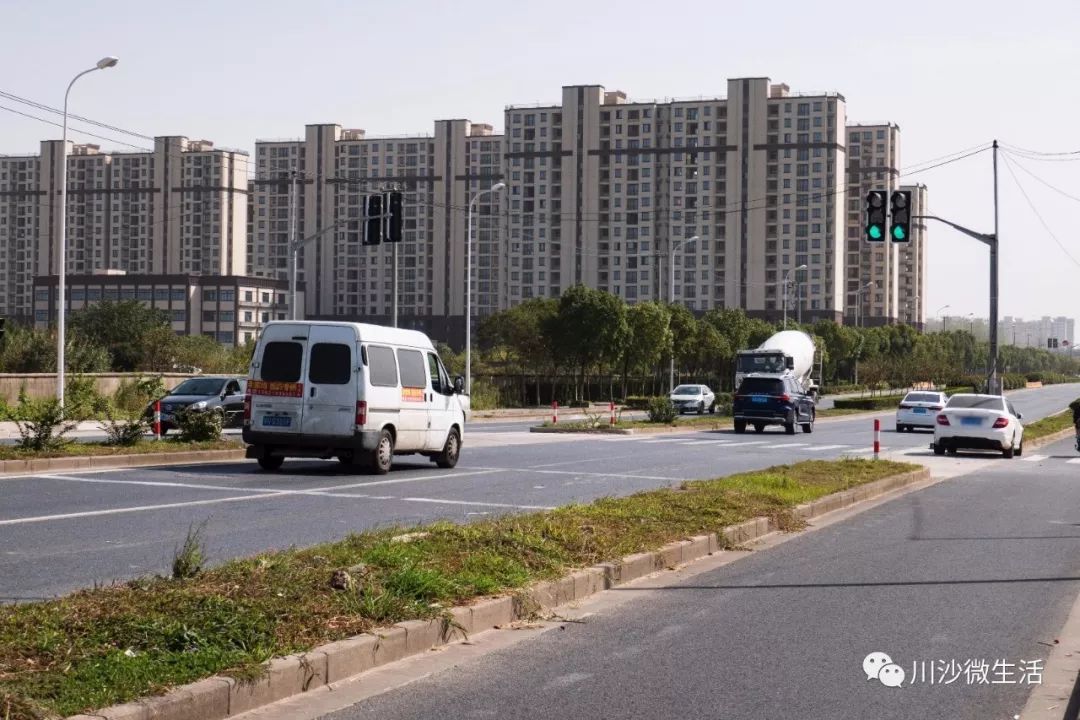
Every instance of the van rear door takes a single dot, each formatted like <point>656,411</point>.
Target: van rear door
<point>277,372</point>
<point>331,392</point>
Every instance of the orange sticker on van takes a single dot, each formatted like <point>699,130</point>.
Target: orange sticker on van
<point>412,394</point>
<point>276,389</point>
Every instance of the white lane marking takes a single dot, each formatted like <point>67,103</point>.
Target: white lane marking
<point>1074,461</point>
<point>784,445</point>
<point>81,472</point>
<point>577,462</point>
<point>1034,458</point>
<point>588,474</point>
<point>157,483</point>
<point>706,442</point>
<point>865,451</point>
<point>373,483</point>
<point>653,441</point>
<point>137,508</point>
<point>440,501</point>
<point>821,448</point>
<point>747,442</point>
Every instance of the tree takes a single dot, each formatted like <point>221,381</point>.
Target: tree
<point>712,351</point>
<point>125,329</point>
<point>683,335</point>
<point>649,339</point>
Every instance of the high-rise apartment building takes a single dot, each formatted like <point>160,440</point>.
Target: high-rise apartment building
<point>335,169</point>
<point>181,208</point>
<point>911,290</point>
<point>605,191</point>
<point>873,163</point>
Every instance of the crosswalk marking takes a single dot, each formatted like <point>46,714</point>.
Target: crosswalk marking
<point>1034,458</point>
<point>820,448</point>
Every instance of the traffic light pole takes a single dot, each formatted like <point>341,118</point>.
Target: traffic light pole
<point>294,251</point>
<point>393,284</point>
<point>991,241</point>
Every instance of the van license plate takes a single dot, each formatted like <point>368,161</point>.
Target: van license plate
<point>277,421</point>
<point>760,399</point>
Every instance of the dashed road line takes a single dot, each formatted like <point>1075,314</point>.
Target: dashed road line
<point>1034,458</point>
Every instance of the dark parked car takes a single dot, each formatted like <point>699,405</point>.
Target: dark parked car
<point>224,395</point>
<point>762,401</point>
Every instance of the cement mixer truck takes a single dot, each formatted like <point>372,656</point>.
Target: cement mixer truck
<point>789,353</point>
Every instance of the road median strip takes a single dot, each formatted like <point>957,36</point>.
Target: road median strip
<point>257,630</point>
<point>92,456</point>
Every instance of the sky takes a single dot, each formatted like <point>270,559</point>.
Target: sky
<point>952,75</point>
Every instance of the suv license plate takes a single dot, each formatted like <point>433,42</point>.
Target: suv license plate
<point>760,399</point>
<point>277,421</point>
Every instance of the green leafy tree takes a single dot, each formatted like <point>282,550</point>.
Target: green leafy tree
<point>649,339</point>
<point>684,330</point>
<point>123,328</point>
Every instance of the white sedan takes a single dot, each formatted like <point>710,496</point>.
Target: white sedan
<point>978,422</point>
<point>918,409</point>
<point>690,398</point>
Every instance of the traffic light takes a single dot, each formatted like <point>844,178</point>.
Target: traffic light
<point>1049,343</point>
<point>373,222</point>
<point>900,216</point>
<point>2,321</point>
<point>875,216</point>
<point>393,202</point>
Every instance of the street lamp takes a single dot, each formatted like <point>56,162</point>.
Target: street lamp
<point>102,64</point>
<point>787,276</point>
<point>944,320</point>
<point>912,303</point>
<point>858,302</point>
<point>971,324</point>
<point>671,296</point>
<point>468,286</point>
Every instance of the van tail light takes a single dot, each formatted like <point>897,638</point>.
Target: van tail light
<point>942,420</point>
<point>247,408</point>
<point>1000,423</point>
<point>361,413</point>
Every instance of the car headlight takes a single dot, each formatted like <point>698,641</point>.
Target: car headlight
<point>201,405</point>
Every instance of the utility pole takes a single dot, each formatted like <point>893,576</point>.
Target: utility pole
<point>992,382</point>
<point>293,246</point>
<point>393,271</point>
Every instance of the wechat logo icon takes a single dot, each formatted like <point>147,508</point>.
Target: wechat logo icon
<point>879,666</point>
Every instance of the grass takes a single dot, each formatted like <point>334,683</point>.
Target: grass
<point>1048,425</point>
<point>111,644</point>
<point>143,447</point>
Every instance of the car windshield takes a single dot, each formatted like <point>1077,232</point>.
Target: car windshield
<point>761,386</point>
<point>978,402</point>
<point>686,390</point>
<point>761,363</point>
<point>199,386</point>
<point>922,397</point>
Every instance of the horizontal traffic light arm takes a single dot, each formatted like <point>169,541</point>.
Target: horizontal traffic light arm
<point>315,235</point>
<point>986,238</point>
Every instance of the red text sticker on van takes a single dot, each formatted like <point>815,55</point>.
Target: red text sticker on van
<point>276,389</point>
<point>412,394</point>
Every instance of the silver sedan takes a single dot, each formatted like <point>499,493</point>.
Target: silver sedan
<point>690,398</point>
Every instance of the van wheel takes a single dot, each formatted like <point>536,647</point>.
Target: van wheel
<point>383,455</point>
<point>270,463</point>
<point>451,450</point>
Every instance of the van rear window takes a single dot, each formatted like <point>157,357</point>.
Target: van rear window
<point>331,364</point>
<point>382,366</point>
<point>281,362</point>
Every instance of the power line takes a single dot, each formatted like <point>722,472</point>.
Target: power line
<point>1044,182</point>
<point>75,130</point>
<point>1008,166</point>
<point>42,106</point>
<point>1016,148</point>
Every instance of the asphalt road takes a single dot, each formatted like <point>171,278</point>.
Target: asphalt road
<point>64,531</point>
<point>981,567</point>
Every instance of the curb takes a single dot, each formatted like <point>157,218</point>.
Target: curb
<point>1051,438</point>
<point>1059,694</point>
<point>220,697</point>
<point>94,462</point>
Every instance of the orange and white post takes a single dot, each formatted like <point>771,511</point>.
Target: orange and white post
<point>157,420</point>
<point>611,407</point>
<point>877,437</point>
<point>554,412</point>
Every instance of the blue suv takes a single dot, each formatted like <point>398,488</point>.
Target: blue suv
<point>762,401</point>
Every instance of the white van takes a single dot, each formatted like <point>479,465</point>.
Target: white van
<point>360,393</point>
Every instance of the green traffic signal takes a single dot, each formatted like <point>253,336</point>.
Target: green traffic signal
<point>875,232</point>
<point>898,233</point>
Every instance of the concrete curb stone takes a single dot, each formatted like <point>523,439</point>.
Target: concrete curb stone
<point>95,462</point>
<point>219,697</point>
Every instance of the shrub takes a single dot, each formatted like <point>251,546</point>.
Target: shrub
<point>485,396</point>
<point>578,404</point>
<point>135,395</point>
<point>196,426</point>
<point>188,560</point>
<point>41,424</point>
<point>82,401</point>
<point>124,428</point>
<point>661,410</point>
<point>724,403</point>
<point>637,402</point>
